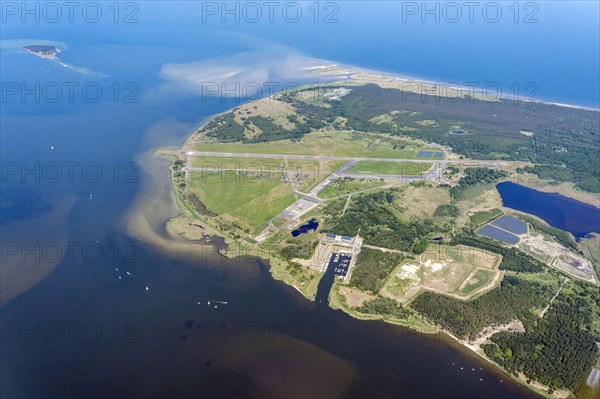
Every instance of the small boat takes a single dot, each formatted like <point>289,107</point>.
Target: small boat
<point>146,288</point>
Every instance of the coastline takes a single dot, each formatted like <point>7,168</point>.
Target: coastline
<point>430,81</point>
<point>276,271</point>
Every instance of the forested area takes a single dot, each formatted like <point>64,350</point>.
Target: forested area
<point>373,268</point>
<point>446,210</point>
<point>561,136</point>
<point>384,306</point>
<point>198,205</point>
<point>375,216</point>
<point>560,348</point>
<point>299,248</point>
<point>225,128</point>
<point>513,299</point>
<point>474,177</point>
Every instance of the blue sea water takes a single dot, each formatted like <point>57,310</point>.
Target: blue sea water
<point>110,133</point>
<point>548,51</point>
<point>533,50</point>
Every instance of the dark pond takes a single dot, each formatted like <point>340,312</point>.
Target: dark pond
<point>312,224</point>
<point>557,210</point>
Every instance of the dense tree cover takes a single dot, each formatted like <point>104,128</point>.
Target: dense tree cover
<point>565,146</point>
<point>198,205</point>
<point>420,245</point>
<point>512,258</point>
<point>225,128</point>
<point>376,217</point>
<point>384,306</point>
<point>561,236</point>
<point>446,210</point>
<point>558,350</point>
<point>271,131</point>
<point>562,136</point>
<point>373,267</point>
<point>514,298</point>
<point>178,174</point>
<point>590,184</point>
<point>475,177</point>
<point>302,247</point>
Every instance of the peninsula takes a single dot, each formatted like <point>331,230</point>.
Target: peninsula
<point>377,195</point>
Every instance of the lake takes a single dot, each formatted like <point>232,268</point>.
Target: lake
<point>557,210</point>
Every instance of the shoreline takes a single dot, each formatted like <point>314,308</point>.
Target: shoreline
<point>429,329</point>
<point>352,75</point>
<point>416,79</point>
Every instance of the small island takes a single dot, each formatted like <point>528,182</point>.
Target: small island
<point>43,51</point>
<point>380,198</point>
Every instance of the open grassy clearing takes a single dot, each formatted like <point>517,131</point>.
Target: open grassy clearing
<point>591,249</point>
<point>348,185</point>
<point>306,173</point>
<point>482,217</point>
<point>342,143</point>
<point>350,300</point>
<point>278,111</point>
<point>402,285</point>
<point>303,173</point>
<point>478,280</point>
<point>303,279</point>
<point>254,201</point>
<point>459,271</point>
<point>390,168</point>
<point>420,200</point>
<point>211,163</point>
<point>475,199</point>
<point>476,256</point>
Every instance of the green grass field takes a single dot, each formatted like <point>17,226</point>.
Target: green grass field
<point>343,144</point>
<point>480,279</point>
<point>390,168</point>
<point>265,164</point>
<point>480,218</point>
<point>220,163</point>
<point>251,199</point>
<point>305,173</point>
<point>399,286</point>
<point>347,185</point>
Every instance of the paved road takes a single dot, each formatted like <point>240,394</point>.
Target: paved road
<point>405,178</point>
<point>331,158</point>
